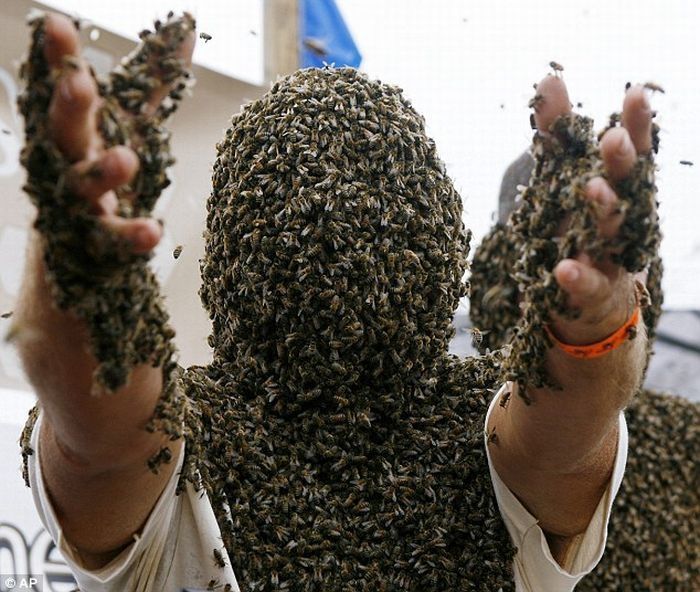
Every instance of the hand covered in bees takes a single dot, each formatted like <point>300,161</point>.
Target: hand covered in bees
<point>586,227</point>
<point>95,135</point>
<point>602,288</point>
<point>96,156</point>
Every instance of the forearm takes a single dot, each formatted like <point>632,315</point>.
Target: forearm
<point>94,449</point>
<point>98,431</point>
<point>556,454</point>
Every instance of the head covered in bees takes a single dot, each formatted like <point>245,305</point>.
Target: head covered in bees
<point>335,248</point>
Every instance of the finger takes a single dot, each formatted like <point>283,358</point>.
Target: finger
<point>636,118</point>
<point>61,39</point>
<point>607,205</point>
<point>618,152</point>
<point>551,101</point>
<point>584,285</point>
<point>143,234</point>
<point>184,53</point>
<point>159,68</point>
<point>71,113</point>
<point>92,179</point>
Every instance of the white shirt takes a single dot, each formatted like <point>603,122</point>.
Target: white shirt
<point>175,548</point>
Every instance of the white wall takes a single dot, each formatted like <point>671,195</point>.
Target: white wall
<point>236,28</point>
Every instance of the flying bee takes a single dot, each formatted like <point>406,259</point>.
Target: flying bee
<point>177,251</point>
<point>6,315</point>
<point>652,86</point>
<point>556,67</point>
<point>205,36</point>
<point>316,46</point>
<point>687,162</point>
<point>213,585</point>
<point>7,132</point>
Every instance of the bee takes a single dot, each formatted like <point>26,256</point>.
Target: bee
<point>205,36</point>
<point>6,315</point>
<point>556,67</point>
<point>477,337</point>
<point>492,437</point>
<point>535,101</point>
<point>652,86</point>
<point>505,399</point>
<point>315,46</point>
<point>7,132</point>
<point>70,62</point>
<point>164,455</point>
<point>213,585</point>
<point>219,558</point>
<point>177,251</point>
<point>253,33</point>
<point>687,162</point>
<point>628,85</point>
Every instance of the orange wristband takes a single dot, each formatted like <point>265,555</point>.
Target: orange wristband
<point>600,348</point>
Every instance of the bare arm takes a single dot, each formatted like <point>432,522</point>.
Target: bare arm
<point>94,449</point>
<point>557,454</point>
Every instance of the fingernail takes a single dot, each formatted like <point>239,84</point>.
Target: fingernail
<point>646,104</point>
<point>572,275</point>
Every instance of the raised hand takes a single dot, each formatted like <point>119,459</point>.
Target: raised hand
<point>602,288</point>
<point>102,134</point>
<point>96,156</point>
<point>587,224</point>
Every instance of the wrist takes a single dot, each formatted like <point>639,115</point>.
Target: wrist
<point>595,325</point>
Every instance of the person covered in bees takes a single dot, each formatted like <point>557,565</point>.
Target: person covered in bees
<point>332,443</point>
